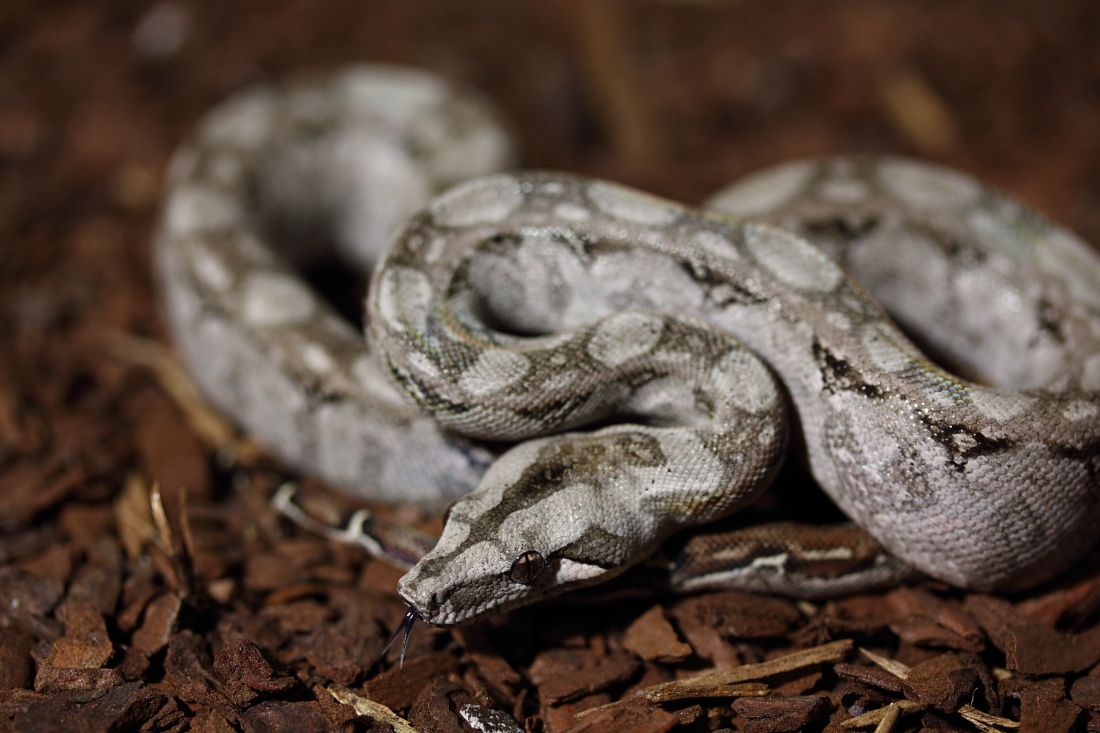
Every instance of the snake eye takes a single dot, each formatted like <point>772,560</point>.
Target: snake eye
<point>527,568</point>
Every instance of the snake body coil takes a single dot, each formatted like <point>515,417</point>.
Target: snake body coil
<point>524,304</point>
<point>272,178</point>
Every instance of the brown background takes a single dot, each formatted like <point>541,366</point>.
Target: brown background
<point>678,98</point>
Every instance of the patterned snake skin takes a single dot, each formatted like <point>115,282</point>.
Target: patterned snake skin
<point>270,177</point>
<point>521,305</point>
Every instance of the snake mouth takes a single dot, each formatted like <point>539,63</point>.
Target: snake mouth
<point>450,605</point>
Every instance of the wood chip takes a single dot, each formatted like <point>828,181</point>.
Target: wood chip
<point>86,643</point>
<point>605,671</point>
<point>1030,646</point>
<point>977,716</point>
<point>1045,709</point>
<point>875,717</point>
<point>369,708</point>
<point>766,714</point>
<point>159,623</point>
<point>652,638</point>
<point>873,676</point>
<point>894,667</point>
<point>943,682</point>
<point>398,688</point>
<point>889,718</point>
<point>1086,692</point>
<point>626,718</point>
<point>724,684</point>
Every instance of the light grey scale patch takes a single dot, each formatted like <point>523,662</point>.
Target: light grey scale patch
<point>624,337</point>
<point>270,300</point>
<point>317,359</point>
<point>197,209</point>
<point>845,190</point>
<point>400,95</point>
<point>211,270</point>
<point>1069,259</point>
<point>435,250</point>
<point>571,212</point>
<point>746,379</point>
<point>405,298</point>
<point>484,201</point>
<point>494,370</point>
<point>763,191</point>
<point>425,367</point>
<point>632,206</point>
<point>667,401</point>
<point>1000,408</point>
<point>793,260</point>
<point>227,170</point>
<point>926,187</point>
<point>715,244</point>
<point>880,348</point>
<point>1080,410</point>
<point>1090,374</point>
<point>242,122</point>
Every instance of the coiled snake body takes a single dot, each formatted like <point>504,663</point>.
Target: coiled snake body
<point>519,305</point>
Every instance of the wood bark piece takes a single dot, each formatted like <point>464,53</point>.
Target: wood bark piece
<point>914,609</point>
<point>123,707</point>
<point>634,719</point>
<point>943,682</point>
<point>1030,646</point>
<point>57,679</point>
<point>875,717</point>
<point>1086,692</point>
<point>1044,708</point>
<point>16,667</point>
<point>243,662</point>
<point>169,448</point>
<point>873,676</point>
<point>370,708</point>
<point>445,706</point>
<point>606,671</point>
<point>24,594</point>
<point>291,717</point>
<point>189,674</point>
<point>726,683</point>
<point>86,643</point>
<point>159,623</point>
<point>398,688</point>
<point>766,714</point>
<point>652,638</point>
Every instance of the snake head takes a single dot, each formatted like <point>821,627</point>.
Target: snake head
<point>550,515</point>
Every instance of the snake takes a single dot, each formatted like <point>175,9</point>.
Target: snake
<point>507,310</point>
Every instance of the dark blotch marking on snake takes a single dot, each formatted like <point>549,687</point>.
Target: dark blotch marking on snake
<point>838,374</point>
<point>962,442</point>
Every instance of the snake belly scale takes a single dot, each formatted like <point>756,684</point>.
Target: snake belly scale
<point>519,305</point>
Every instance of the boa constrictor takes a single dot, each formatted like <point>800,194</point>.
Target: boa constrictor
<point>520,305</point>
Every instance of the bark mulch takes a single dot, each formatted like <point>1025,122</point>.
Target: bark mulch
<point>145,584</point>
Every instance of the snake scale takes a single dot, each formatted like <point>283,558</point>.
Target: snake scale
<point>521,306</point>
